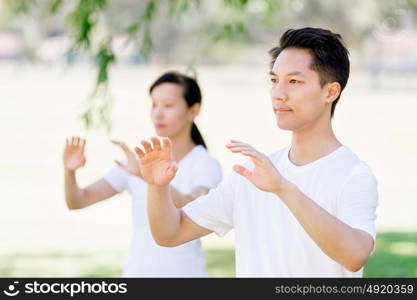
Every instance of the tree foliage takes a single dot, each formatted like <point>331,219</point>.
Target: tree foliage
<point>234,20</point>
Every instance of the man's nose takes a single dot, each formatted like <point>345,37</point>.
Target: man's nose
<point>278,93</point>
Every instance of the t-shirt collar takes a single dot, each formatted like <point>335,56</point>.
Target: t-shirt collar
<point>289,164</point>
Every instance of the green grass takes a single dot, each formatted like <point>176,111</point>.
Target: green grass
<point>220,262</point>
<point>395,256</point>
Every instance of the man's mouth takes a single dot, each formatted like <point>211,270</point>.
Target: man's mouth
<point>282,110</point>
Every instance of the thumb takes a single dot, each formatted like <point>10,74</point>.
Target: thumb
<point>172,169</point>
<point>242,171</point>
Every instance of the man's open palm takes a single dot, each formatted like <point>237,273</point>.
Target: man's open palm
<point>156,164</point>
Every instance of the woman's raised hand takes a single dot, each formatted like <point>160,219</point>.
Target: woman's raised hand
<point>74,157</point>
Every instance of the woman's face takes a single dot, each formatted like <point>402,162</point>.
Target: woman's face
<point>170,114</point>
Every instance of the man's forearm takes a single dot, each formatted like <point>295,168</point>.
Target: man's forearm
<point>164,216</point>
<point>179,198</point>
<point>348,246</point>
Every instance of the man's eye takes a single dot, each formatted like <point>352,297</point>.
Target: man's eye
<point>294,81</point>
<point>273,80</point>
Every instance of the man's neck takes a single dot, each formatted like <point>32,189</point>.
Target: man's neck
<point>312,143</point>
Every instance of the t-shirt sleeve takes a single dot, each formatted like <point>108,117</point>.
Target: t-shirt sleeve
<point>214,210</point>
<point>117,178</point>
<point>358,202</point>
<point>206,173</point>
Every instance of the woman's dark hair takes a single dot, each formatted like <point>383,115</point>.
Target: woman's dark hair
<point>191,93</point>
<point>330,56</point>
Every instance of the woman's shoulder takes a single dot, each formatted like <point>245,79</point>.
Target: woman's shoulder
<point>201,155</point>
<point>200,152</point>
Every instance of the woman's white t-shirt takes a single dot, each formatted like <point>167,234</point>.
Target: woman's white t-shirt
<point>146,258</point>
<point>269,240</point>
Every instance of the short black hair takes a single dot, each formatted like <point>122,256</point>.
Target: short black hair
<point>329,54</point>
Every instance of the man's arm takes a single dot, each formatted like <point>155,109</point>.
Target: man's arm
<point>170,226</point>
<point>182,199</point>
<point>348,246</point>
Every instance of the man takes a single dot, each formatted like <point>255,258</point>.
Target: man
<point>307,210</point>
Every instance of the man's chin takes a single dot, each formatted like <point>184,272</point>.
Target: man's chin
<point>284,126</point>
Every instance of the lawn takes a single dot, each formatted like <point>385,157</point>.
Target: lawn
<point>395,256</point>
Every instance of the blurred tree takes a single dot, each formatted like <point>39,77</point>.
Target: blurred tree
<point>87,22</point>
<point>157,29</point>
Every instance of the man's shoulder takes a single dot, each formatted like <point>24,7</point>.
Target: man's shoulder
<point>276,155</point>
<point>349,164</point>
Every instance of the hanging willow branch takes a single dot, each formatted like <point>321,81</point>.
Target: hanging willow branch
<point>86,15</point>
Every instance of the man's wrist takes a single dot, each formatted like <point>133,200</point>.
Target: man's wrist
<point>285,187</point>
<point>158,188</point>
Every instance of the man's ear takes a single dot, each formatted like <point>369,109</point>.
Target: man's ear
<point>333,91</point>
<point>194,110</point>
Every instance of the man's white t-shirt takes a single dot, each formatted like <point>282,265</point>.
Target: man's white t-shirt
<point>146,258</point>
<point>269,240</point>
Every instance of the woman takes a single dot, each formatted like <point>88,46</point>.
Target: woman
<point>176,101</point>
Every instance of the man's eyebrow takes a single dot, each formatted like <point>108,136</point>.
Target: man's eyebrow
<point>298,73</point>
<point>295,73</point>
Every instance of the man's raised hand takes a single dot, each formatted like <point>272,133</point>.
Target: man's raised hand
<point>156,164</point>
<point>264,175</point>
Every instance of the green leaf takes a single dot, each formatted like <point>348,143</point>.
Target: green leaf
<point>104,58</point>
<point>149,12</point>
<point>133,28</point>
<point>54,6</point>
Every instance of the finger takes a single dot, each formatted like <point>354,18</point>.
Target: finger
<point>254,155</point>
<point>120,144</point>
<point>231,146</point>
<point>237,149</point>
<point>172,170</point>
<point>116,142</point>
<point>237,145</point>
<point>77,141</point>
<point>120,164</point>
<point>237,142</point>
<point>66,142</point>
<point>139,152</point>
<point>242,171</point>
<point>167,145</point>
<point>83,142</point>
<point>156,143</point>
<point>147,146</point>
<point>73,141</point>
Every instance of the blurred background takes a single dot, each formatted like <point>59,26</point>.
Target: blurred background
<point>84,68</point>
